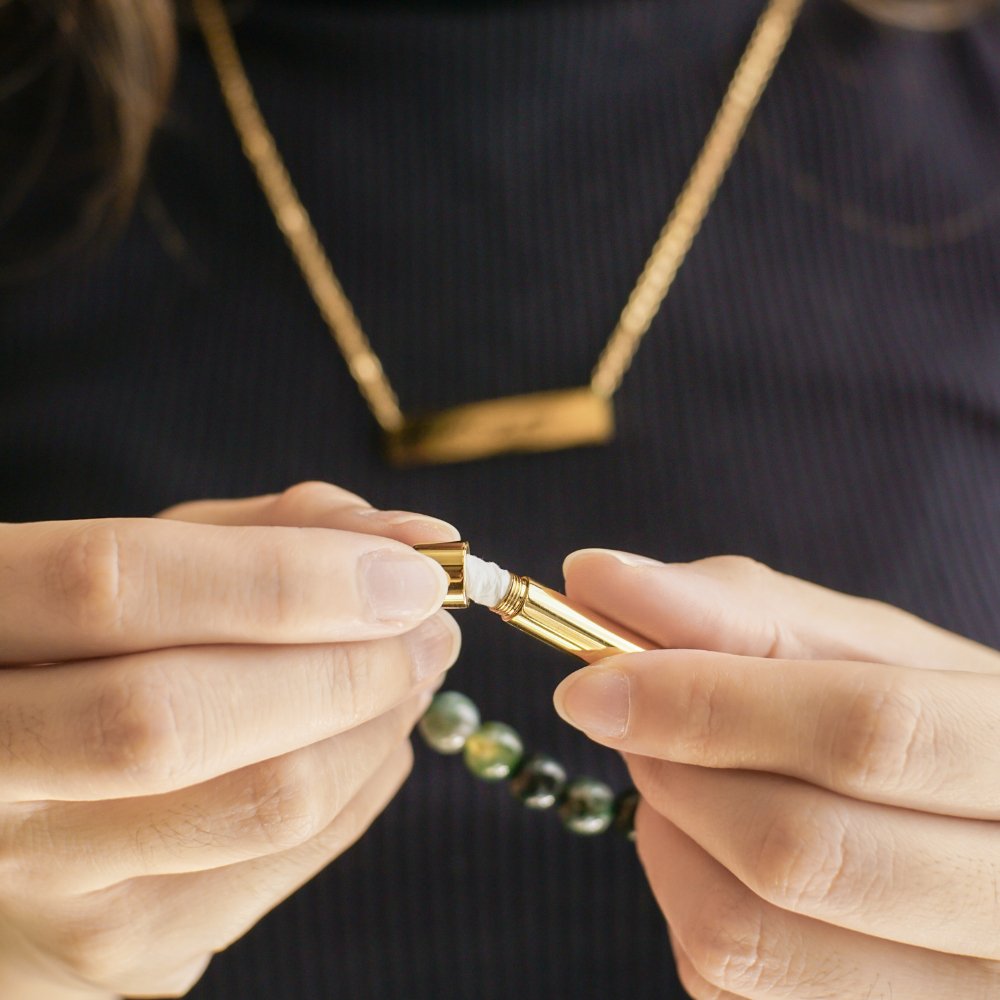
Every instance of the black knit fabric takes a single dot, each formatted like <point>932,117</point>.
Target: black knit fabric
<point>821,390</point>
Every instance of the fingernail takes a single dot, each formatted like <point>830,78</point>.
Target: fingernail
<point>596,700</point>
<point>432,529</point>
<point>434,646</point>
<point>401,586</point>
<point>625,558</point>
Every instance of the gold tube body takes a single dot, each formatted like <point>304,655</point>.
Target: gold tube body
<point>533,608</point>
<point>552,618</point>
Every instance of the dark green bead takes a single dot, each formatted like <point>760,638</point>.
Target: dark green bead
<point>539,782</point>
<point>449,721</point>
<point>625,806</point>
<point>587,806</point>
<point>493,751</point>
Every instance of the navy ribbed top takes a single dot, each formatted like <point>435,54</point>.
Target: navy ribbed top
<point>821,390</point>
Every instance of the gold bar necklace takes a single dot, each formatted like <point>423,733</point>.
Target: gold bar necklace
<point>540,421</point>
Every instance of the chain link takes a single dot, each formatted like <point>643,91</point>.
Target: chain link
<point>751,77</point>
<point>692,205</point>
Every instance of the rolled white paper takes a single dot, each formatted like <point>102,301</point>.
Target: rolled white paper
<point>485,582</point>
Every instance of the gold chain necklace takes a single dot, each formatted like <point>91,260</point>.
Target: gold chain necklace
<point>539,421</point>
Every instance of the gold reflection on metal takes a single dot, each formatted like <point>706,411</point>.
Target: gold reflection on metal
<point>538,421</point>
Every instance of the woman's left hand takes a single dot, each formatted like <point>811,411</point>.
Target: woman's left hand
<point>820,780</point>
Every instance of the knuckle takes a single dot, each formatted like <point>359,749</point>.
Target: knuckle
<point>16,871</point>
<point>353,669</point>
<point>25,733</point>
<point>730,950</point>
<point>91,572</point>
<point>702,711</point>
<point>301,501</point>
<point>779,641</point>
<point>134,728</point>
<point>886,740</point>
<point>283,808</point>
<point>272,592</point>
<point>803,863</point>
<point>735,567</point>
<point>358,681</point>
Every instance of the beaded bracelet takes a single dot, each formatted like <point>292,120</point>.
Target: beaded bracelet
<point>493,751</point>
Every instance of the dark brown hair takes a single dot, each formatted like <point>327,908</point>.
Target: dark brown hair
<point>925,15</point>
<point>85,83</point>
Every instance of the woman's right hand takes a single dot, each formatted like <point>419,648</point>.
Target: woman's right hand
<point>197,713</point>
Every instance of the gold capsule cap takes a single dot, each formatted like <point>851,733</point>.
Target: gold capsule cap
<point>450,556</point>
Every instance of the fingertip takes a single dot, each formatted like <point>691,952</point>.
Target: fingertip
<point>451,623</point>
<point>560,693</point>
<point>409,527</point>
<point>434,646</point>
<point>641,821</point>
<point>577,560</point>
<point>401,586</point>
<point>657,840</point>
<point>400,765</point>
<point>647,821</point>
<point>596,700</point>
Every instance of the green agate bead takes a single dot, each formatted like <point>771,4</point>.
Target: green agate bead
<point>450,719</point>
<point>493,751</point>
<point>587,806</point>
<point>539,781</point>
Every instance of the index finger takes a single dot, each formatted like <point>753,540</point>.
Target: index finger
<point>72,589</point>
<point>317,505</point>
<point>736,605</point>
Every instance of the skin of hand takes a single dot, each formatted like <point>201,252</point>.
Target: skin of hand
<point>820,780</point>
<point>198,712</point>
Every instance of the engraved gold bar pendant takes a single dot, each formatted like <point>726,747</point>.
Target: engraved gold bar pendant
<point>539,421</point>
